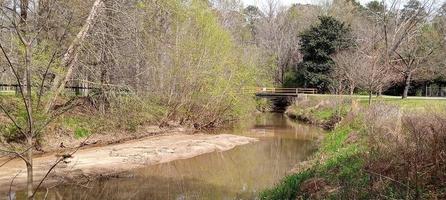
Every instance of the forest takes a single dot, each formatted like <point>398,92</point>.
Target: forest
<point>71,69</point>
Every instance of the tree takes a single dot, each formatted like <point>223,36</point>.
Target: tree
<point>36,117</point>
<point>393,28</point>
<point>277,38</point>
<point>414,9</point>
<point>253,15</point>
<point>317,45</point>
<point>375,6</point>
<point>415,54</point>
<point>346,70</point>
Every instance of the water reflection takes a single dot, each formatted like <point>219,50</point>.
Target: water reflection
<point>236,174</point>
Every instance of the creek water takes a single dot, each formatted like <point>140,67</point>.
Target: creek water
<point>240,173</point>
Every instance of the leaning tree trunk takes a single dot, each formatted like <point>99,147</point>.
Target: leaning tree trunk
<point>70,57</point>
<point>407,85</point>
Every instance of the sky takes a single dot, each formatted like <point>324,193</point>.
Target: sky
<point>260,3</point>
<point>289,2</point>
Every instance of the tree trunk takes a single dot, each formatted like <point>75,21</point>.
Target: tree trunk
<point>29,169</point>
<point>370,97</point>
<point>70,58</point>
<point>29,110</point>
<point>23,11</point>
<point>407,85</point>
<point>107,60</point>
<point>42,20</point>
<point>352,89</point>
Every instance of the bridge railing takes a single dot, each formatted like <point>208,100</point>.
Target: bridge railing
<point>287,90</point>
<point>271,90</point>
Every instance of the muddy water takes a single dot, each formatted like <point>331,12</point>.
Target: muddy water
<point>240,173</point>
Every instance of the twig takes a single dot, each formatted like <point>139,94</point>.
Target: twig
<point>62,158</point>
<point>12,119</point>
<point>49,65</point>
<point>9,160</point>
<point>46,194</point>
<point>10,185</point>
<point>389,178</point>
<point>18,154</point>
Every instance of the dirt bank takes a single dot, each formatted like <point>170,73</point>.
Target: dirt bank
<point>95,162</point>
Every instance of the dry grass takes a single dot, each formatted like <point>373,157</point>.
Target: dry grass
<point>378,152</point>
<point>407,156</point>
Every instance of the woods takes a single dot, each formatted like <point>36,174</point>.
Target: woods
<point>180,65</point>
<point>172,63</point>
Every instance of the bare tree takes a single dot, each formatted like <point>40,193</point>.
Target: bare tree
<point>27,32</point>
<point>278,35</point>
<point>414,58</point>
<point>347,69</point>
<point>388,31</point>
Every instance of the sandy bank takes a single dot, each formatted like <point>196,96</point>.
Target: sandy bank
<point>106,160</point>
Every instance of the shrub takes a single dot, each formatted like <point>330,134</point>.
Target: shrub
<point>408,162</point>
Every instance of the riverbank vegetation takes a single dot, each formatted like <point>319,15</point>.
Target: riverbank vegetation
<point>151,63</point>
<point>378,151</point>
<point>105,67</point>
<point>72,68</point>
<point>324,113</point>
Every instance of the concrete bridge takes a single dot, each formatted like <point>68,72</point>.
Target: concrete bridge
<point>281,98</point>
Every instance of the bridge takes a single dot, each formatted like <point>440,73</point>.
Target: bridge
<point>283,92</point>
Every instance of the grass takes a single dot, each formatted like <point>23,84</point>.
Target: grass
<point>337,163</point>
<point>340,166</point>
<point>80,126</point>
<point>288,188</point>
<point>409,104</point>
<point>8,93</point>
<point>323,114</point>
<point>81,133</point>
<point>320,112</point>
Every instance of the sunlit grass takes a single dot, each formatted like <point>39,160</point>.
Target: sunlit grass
<point>409,104</point>
<point>7,93</point>
<point>334,153</point>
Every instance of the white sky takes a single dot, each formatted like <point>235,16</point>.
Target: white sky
<point>289,2</point>
<point>260,3</point>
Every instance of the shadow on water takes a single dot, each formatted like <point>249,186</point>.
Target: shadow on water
<point>240,173</point>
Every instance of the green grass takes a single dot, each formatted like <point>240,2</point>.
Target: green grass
<point>81,133</point>
<point>323,114</point>
<point>334,140</point>
<point>421,105</point>
<point>338,163</point>
<point>410,104</point>
<point>82,126</point>
<point>341,164</point>
<point>7,93</point>
<point>288,188</point>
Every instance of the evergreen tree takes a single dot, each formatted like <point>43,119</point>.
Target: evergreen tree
<point>317,44</point>
<point>376,6</point>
